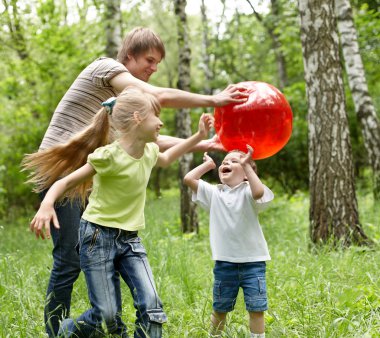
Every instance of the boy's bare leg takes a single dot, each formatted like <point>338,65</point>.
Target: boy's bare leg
<point>218,320</point>
<point>257,322</point>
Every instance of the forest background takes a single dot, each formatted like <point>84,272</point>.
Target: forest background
<point>45,44</point>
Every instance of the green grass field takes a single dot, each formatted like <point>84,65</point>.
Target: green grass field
<point>312,293</point>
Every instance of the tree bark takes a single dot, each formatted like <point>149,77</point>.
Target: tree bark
<point>205,51</point>
<point>364,107</point>
<point>112,20</point>
<point>334,215</point>
<point>189,216</point>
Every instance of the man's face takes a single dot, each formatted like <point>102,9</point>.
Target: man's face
<point>144,65</point>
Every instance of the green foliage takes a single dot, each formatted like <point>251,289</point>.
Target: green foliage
<point>32,88</point>
<point>287,27</point>
<point>368,27</point>
<point>289,167</point>
<point>311,293</point>
<point>55,42</point>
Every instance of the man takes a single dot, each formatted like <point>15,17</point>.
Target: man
<point>139,56</point>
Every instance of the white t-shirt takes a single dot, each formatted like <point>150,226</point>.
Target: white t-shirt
<point>235,231</point>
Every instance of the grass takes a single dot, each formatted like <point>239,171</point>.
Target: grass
<point>312,293</point>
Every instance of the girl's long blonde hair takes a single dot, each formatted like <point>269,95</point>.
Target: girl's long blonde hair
<point>48,165</point>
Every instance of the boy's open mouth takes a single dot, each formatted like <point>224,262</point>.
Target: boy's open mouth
<point>226,170</point>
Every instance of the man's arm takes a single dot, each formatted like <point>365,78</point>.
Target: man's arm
<point>176,98</point>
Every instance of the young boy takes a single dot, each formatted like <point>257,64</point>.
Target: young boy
<point>237,242</point>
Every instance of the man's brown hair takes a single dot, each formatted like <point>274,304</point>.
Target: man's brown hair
<point>138,41</point>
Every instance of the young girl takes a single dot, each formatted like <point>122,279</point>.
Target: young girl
<point>237,242</point>
<point>108,233</point>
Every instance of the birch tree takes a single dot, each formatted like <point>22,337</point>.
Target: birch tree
<point>205,50</point>
<point>15,28</point>
<point>189,217</point>
<point>333,211</point>
<point>364,107</point>
<point>112,21</point>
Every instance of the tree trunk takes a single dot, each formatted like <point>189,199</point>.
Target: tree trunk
<point>334,215</point>
<point>16,30</point>
<point>189,217</point>
<point>156,179</point>
<point>112,21</point>
<point>82,8</point>
<point>364,106</point>
<point>205,51</point>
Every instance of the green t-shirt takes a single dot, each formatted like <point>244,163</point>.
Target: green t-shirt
<point>118,195</point>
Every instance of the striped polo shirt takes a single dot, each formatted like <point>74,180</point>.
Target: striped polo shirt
<point>82,101</point>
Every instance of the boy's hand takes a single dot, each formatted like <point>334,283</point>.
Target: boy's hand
<point>209,161</point>
<point>206,122</point>
<point>40,224</point>
<point>245,159</point>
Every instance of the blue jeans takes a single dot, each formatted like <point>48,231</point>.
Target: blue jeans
<point>66,267</point>
<point>229,277</point>
<point>105,252</point>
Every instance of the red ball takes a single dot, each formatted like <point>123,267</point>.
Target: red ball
<point>264,121</point>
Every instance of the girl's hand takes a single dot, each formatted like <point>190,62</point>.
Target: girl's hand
<point>209,161</point>
<point>206,122</point>
<point>245,159</point>
<point>214,144</point>
<point>40,224</point>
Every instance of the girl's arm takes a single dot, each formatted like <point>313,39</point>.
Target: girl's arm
<point>170,155</point>
<point>191,179</point>
<point>175,98</point>
<point>213,144</point>
<point>257,188</point>
<point>46,212</point>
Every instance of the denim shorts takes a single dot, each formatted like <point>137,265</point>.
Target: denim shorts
<point>229,277</point>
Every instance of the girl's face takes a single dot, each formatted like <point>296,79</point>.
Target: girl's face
<point>150,127</point>
<point>230,171</point>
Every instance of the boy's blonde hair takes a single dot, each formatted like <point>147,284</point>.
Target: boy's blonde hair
<point>251,161</point>
<point>48,165</point>
<point>138,41</point>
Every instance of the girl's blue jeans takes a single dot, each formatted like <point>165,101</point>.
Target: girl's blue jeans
<point>104,253</point>
<point>66,267</point>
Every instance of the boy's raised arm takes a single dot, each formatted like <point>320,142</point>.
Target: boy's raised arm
<point>257,187</point>
<point>191,179</point>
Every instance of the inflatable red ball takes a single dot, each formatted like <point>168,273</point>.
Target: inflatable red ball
<point>264,121</point>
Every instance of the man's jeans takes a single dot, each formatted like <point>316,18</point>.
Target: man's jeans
<point>66,267</point>
<point>105,252</point>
